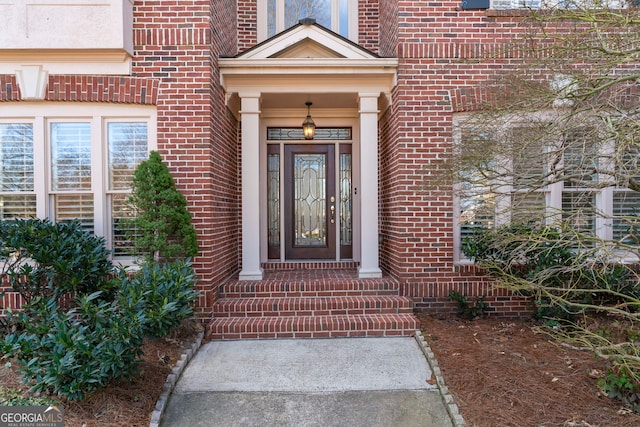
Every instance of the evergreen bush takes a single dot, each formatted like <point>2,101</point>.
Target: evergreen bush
<point>71,353</point>
<point>43,259</point>
<point>70,346</point>
<point>166,292</point>
<point>162,228</point>
<point>546,262</point>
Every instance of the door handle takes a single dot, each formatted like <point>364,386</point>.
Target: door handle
<point>333,213</point>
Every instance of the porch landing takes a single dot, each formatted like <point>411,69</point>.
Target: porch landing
<point>311,300</point>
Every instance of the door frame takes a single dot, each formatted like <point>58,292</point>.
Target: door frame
<point>327,251</point>
<point>330,118</point>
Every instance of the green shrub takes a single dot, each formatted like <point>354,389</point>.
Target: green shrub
<point>162,228</point>
<point>521,250</point>
<point>478,309</point>
<point>13,397</point>
<point>543,262</point>
<point>621,383</point>
<point>167,294</point>
<point>42,259</point>
<point>74,352</point>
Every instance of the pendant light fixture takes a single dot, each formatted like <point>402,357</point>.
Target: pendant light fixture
<point>308,126</point>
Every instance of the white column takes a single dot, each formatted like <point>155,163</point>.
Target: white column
<point>369,267</point>
<point>250,118</point>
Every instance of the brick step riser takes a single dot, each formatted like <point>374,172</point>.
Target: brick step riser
<point>304,313</point>
<point>310,306</point>
<point>308,294</point>
<point>312,288</point>
<point>310,265</point>
<point>341,283</point>
<point>321,334</point>
<point>314,327</point>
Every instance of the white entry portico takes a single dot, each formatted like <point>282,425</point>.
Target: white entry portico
<point>270,83</point>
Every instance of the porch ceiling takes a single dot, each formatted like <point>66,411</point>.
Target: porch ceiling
<point>319,100</point>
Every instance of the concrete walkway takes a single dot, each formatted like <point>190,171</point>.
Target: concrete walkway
<point>308,382</point>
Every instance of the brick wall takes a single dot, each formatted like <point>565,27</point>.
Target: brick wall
<point>247,24</point>
<point>439,48</point>
<point>369,23</point>
<point>114,89</point>
<point>178,43</point>
<point>447,58</point>
<point>388,34</point>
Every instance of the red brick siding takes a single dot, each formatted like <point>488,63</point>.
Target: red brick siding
<point>115,89</point>
<point>178,44</point>
<point>369,24</point>
<point>388,33</point>
<point>450,61</point>
<point>434,42</point>
<point>445,57</point>
<point>9,90</point>
<point>247,24</point>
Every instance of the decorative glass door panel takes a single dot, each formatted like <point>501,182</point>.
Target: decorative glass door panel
<point>310,202</point>
<point>346,202</point>
<point>273,201</point>
<point>309,199</point>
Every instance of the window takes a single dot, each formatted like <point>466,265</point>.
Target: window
<point>340,16</point>
<point>17,194</point>
<point>66,165</point>
<point>526,177</point>
<point>70,164</point>
<point>521,178</point>
<point>127,146</point>
<point>580,180</point>
<point>476,191</point>
<point>626,202</point>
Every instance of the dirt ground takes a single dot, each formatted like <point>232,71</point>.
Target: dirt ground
<point>505,373</point>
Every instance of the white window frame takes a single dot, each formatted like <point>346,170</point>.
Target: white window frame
<point>603,226</point>
<point>24,193</point>
<point>262,11</point>
<point>40,115</point>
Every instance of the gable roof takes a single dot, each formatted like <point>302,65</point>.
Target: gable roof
<point>307,59</point>
<point>307,39</point>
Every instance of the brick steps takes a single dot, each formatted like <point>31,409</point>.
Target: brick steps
<point>373,325</point>
<point>302,288</point>
<point>311,303</point>
<point>311,306</point>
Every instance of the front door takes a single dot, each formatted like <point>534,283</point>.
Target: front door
<point>310,201</point>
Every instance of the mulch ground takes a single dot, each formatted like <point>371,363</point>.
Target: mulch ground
<point>507,373</point>
<point>502,373</point>
<point>130,402</point>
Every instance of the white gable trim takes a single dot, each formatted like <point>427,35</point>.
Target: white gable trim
<point>307,58</point>
<point>299,34</point>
